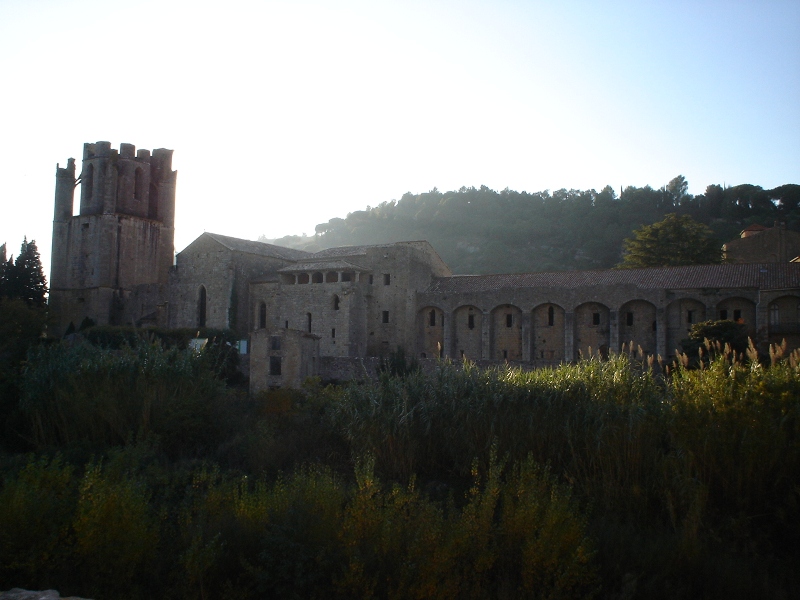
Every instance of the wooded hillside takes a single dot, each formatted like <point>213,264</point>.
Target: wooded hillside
<point>479,230</point>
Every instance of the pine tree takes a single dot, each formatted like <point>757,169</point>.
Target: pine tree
<point>23,278</point>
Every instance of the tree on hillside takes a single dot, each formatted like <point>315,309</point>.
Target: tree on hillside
<point>675,241</point>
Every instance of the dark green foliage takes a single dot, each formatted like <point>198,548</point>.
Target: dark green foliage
<point>719,334</point>
<point>479,230</point>
<point>219,353</point>
<point>21,327</point>
<point>672,242</point>
<point>100,397</point>
<point>680,483</point>
<point>23,278</point>
<point>397,364</point>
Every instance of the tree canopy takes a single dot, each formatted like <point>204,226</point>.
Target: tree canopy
<point>479,230</point>
<point>674,241</point>
<point>23,278</point>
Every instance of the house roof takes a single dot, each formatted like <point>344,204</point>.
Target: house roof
<point>259,248</point>
<point>753,275</point>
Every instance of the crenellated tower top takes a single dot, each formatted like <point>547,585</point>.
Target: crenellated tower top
<point>127,182</point>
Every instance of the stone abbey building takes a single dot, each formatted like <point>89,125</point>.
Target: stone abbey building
<point>329,313</point>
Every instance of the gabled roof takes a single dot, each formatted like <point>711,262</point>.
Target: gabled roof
<point>258,248</point>
<point>753,275</point>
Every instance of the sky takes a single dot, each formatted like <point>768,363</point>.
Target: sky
<point>283,115</point>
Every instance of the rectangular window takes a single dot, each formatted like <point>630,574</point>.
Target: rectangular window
<point>471,321</point>
<point>385,316</point>
<point>690,316</point>
<point>723,315</point>
<point>274,365</point>
<point>505,353</point>
<point>275,343</point>
<point>595,318</point>
<point>387,279</point>
<point>737,314</point>
<point>629,319</point>
<point>509,320</point>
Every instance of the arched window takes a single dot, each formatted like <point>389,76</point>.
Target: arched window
<point>262,316</point>
<point>201,307</point>
<point>335,302</point>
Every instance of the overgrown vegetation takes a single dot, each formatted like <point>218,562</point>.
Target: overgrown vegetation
<point>147,477</point>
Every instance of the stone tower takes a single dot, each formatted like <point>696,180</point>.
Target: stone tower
<point>119,249</point>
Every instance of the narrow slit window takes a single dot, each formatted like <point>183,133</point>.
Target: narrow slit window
<point>385,316</point>
<point>551,316</point>
<point>509,320</point>
<point>333,333</point>
<point>471,321</point>
<point>387,279</point>
<point>595,318</point>
<point>690,316</point>
<point>308,318</point>
<point>629,319</point>
<point>432,318</point>
<point>262,316</point>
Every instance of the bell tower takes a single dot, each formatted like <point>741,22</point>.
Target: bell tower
<point>120,245</point>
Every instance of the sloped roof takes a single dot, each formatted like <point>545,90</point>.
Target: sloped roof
<point>328,265</point>
<point>259,248</point>
<point>753,275</point>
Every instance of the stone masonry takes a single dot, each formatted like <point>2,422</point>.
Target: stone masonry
<point>332,312</point>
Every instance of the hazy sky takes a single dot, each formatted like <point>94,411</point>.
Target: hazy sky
<point>283,115</point>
